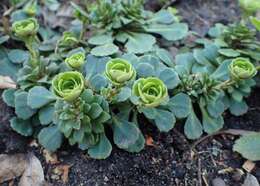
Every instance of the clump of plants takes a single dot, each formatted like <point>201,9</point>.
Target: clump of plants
<point>100,90</point>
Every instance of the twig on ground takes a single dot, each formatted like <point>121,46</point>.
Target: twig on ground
<point>166,5</point>
<point>199,172</point>
<point>235,132</point>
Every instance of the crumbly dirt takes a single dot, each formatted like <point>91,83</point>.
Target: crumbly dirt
<point>170,161</point>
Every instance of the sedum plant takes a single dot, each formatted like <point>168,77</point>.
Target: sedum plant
<point>126,24</point>
<point>82,90</point>
<point>119,71</point>
<point>150,91</point>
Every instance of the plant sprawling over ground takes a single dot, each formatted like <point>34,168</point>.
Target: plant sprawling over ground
<point>108,74</point>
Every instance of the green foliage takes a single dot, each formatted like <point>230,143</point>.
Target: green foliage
<point>76,60</point>
<point>25,28</point>
<point>129,25</point>
<point>247,146</point>
<point>241,68</point>
<point>82,122</point>
<point>237,40</point>
<point>119,71</point>
<point>68,90</point>
<point>50,138</point>
<point>68,85</point>
<point>250,6</point>
<point>151,92</point>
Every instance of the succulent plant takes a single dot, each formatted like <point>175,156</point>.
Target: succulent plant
<point>25,28</point>
<point>151,91</point>
<point>250,6</point>
<point>68,85</point>
<point>119,71</point>
<point>75,60</point>
<point>83,122</point>
<point>68,40</point>
<point>241,69</point>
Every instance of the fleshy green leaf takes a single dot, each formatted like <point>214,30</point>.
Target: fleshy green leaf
<point>165,56</point>
<point>104,50</point>
<point>180,105</point>
<point>23,127</point>
<point>248,146</point>
<point>164,120</point>
<point>139,43</point>
<point>8,97</point>
<point>229,52</point>
<point>125,133</point>
<point>22,110</point>
<point>100,40</point>
<point>101,150</point>
<point>39,96</point>
<point>192,127</point>
<point>145,70</point>
<point>46,114</point>
<point>124,94</point>
<point>210,124</point>
<point>138,145</point>
<point>98,82</point>
<point>50,138</point>
<point>150,113</point>
<point>173,32</point>
<point>170,78</point>
<point>163,16</point>
<point>18,56</point>
<point>238,108</point>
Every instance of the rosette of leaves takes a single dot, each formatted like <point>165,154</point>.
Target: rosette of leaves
<point>119,71</point>
<point>241,69</point>
<point>68,85</point>
<point>25,29</point>
<point>236,40</point>
<point>206,79</point>
<point>203,92</point>
<point>83,122</point>
<point>126,24</point>
<point>68,41</point>
<point>151,92</point>
<point>241,72</point>
<point>249,6</point>
<point>76,60</point>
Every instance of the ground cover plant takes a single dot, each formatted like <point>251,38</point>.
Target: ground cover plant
<point>76,88</point>
<point>98,90</point>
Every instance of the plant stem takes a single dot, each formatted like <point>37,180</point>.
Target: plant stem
<point>225,84</point>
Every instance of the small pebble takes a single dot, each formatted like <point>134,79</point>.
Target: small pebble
<point>218,182</point>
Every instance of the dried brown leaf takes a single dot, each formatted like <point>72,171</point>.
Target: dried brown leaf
<point>248,166</point>
<point>149,141</point>
<point>50,158</point>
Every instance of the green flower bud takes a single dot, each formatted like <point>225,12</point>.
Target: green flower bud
<point>25,28</point>
<point>68,85</point>
<point>68,40</point>
<point>250,6</point>
<point>75,60</point>
<point>119,71</point>
<point>151,91</point>
<point>241,69</point>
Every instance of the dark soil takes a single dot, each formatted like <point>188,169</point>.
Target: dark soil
<point>169,162</point>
